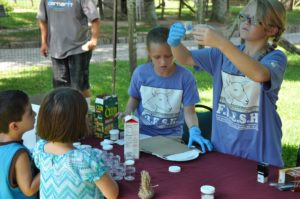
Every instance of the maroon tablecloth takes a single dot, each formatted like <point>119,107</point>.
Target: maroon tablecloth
<point>232,177</point>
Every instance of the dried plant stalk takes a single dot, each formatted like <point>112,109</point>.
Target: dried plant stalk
<point>146,191</point>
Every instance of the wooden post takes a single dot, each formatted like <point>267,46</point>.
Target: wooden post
<point>115,17</point>
<point>132,37</point>
<point>100,5</point>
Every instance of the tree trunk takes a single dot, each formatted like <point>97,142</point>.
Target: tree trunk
<point>201,11</point>
<point>288,4</point>
<point>150,14</point>
<point>220,10</point>
<point>132,37</point>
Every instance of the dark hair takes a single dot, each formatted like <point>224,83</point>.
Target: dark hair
<point>157,35</point>
<point>62,116</point>
<point>13,104</point>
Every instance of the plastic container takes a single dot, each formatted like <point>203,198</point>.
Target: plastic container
<point>174,169</point>
<point>207,192</point>
<point>107,147</point>
<point>129,170</point>
<point>114,134</point>
<point>106,142</point>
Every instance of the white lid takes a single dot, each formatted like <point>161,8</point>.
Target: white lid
<point>106,142</point>
<point>207,189</point>
<point>85,146</point>
<point>114,132</point>
<point>129,162</point>
<point>107,147</point>
<point>76,144</point>
<point>174,169</point>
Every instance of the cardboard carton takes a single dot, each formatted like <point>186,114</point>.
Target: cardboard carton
<point>91,120</point>
<point>131,137</point>
<point>289,175</point>
<point>106,108</point>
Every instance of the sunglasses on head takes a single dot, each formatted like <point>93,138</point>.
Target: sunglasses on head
<point>248,19</point>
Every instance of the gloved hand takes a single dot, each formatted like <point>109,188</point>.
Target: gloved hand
<point>177,32</point>
<point>195,136</point>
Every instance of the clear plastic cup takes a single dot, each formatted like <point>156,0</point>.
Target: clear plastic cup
<point>188,25</point>
<point>119,172</point>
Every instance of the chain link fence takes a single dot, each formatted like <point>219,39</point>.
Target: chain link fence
<point>20,60</point>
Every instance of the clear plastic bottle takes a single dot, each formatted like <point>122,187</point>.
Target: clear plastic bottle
<point>207,192</point>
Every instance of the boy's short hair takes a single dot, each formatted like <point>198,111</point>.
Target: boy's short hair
<point>13,105</point>
<point>157,35</point>
<point>62,116</point>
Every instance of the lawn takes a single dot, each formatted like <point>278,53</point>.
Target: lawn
<point>35,80</point>
<point>23,21</point>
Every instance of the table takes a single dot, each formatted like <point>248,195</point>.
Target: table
<point>233,177</point>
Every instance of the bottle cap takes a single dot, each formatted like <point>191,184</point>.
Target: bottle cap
<point>76,144</point>
<point>174,169</point>
<point>207,189</point>
<point>129,162</point>
<point>106,142</point>
<point>85,146</point>
<point>107,147</point>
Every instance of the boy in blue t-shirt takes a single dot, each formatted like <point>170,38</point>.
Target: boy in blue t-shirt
<point>163,93</point>
<point>16,169</point>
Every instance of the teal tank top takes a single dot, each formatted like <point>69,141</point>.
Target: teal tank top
<point>7,153</point>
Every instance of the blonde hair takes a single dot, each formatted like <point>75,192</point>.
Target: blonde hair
<point>271,13</point>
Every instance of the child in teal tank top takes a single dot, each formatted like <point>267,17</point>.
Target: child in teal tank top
<point>16,170</point>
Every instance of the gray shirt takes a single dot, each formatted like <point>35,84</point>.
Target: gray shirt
<point>67,24</point>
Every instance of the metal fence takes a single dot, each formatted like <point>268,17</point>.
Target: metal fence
<point>20,59</point>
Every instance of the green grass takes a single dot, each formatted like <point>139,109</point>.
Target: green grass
<point>35,80</point>
<point>19,20</point>
<point>25,21</point>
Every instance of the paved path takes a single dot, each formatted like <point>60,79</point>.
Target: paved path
<point>31,56</point>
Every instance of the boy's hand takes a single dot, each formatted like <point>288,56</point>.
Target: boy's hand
<point>195,136</point>
<point>177,32</point>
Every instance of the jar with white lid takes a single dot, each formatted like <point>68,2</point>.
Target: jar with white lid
<point>129,170</point>
<point>207,192</point>
<point>114,134</point>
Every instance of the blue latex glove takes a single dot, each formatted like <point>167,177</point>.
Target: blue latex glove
<point>195,136</point>
<point>177,32</point>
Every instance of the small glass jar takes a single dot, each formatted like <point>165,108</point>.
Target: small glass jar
<point>129,170</point>
<point>207,192</point>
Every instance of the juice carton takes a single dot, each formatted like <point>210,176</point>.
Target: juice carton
<point>91,120</point>
<point>131,137</point>
<point>106,107</point>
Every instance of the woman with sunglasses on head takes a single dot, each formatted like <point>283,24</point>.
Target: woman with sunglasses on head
<point>246,80</point>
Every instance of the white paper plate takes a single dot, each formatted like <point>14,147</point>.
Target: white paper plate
<point>186,156</point>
